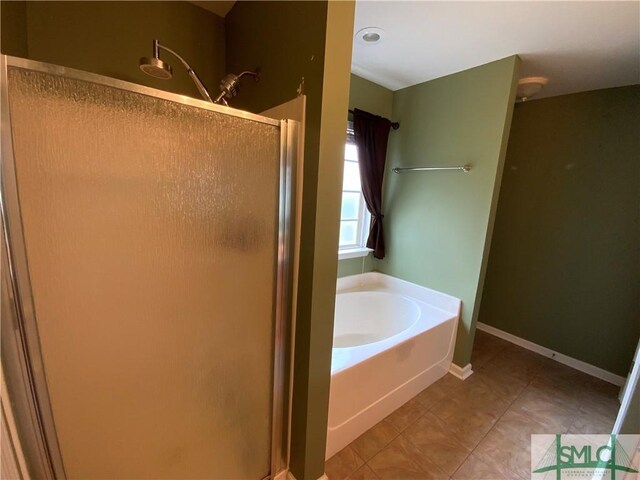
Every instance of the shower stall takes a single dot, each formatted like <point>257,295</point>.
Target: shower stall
<point>146,280</point>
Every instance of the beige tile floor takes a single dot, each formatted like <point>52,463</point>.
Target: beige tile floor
<point>480,429</point>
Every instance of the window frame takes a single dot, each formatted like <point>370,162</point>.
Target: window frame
<point>363,219</point>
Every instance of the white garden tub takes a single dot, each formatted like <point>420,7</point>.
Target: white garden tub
<point>392,339</point>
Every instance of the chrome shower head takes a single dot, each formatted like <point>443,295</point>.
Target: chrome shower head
<point>159,69</point>
<point>156,68</point>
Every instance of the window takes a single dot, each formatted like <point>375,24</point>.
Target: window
<point>354,217</point>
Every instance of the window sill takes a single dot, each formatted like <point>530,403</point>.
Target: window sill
<point>353,253</point>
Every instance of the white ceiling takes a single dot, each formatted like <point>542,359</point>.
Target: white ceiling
<point>580,46</point>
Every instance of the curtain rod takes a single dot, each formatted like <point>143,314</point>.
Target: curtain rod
<point>394,125</point>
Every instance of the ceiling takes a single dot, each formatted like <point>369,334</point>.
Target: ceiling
<point>219,7</point>
<point>579,46</point>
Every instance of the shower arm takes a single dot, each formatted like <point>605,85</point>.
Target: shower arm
<point>194,76</point>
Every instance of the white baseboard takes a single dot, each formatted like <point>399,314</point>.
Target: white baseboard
<point>283,475</point>
<point>461,372</point>
<point>553,355</point>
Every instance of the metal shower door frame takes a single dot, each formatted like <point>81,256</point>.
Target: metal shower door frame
<point>25,365</point>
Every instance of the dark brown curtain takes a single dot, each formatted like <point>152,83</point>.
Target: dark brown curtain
<point>371,134</point>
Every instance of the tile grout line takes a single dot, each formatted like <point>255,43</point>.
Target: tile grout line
<point>366,462</point>
<point>427,410</point>
<point>498,419</point>
<point>492,426</point>
<point>357,455</point>
<point>528,384</point>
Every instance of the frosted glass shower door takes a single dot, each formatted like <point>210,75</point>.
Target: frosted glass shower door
<point>151,231</point>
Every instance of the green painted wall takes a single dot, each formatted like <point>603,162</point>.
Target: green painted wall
<point>438,224</point>
<point>354,266</point>
<point>563,269</point>
<point>292,41</point>
<point>108,38</point>
<point>13,28</point>
<point>373,98</point>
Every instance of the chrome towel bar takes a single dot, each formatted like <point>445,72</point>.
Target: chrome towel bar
<point>464,168</point>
